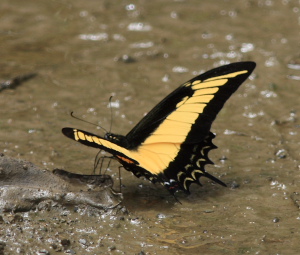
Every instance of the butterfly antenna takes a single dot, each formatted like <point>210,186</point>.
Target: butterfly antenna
<point>75,117</point>
<point>111,115</point>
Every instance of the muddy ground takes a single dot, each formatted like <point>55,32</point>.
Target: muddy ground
<point>83,52</point>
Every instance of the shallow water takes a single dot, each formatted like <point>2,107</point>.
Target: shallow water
<point>86,51</point>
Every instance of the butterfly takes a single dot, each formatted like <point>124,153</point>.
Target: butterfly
<point>170,145</point>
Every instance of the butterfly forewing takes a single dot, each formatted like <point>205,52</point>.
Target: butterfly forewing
<point>207,93</point>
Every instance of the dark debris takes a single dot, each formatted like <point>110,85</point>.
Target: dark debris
<point>16,81</point>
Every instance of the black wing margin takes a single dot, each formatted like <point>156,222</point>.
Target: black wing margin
<point>189,166</point>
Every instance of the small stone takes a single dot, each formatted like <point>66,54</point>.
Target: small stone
<point>234,185</point>
<point>161,216</point>
<point>125,59</point>
<point>83,241</point>
<point>70,251</point>
<point>223,158</point>
<point>16,218</point>
<point>296,199</point>
<point>43,252</point>
<point>2,246</point>
<point>281,154</point>
<point>112,248</point>
<point>65,242</point>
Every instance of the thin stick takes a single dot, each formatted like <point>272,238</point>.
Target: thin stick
<point>120,179</point>
<point>111,116</point>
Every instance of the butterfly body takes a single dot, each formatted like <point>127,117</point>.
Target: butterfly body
<point>170,145</point>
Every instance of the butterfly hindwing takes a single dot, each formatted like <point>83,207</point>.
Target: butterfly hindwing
<point>131,160</point>
<point>170,144</point>
<point>191,161</point>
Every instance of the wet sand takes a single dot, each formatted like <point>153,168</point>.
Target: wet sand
<point>85,52</point>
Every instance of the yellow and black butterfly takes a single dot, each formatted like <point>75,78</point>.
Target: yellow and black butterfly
<point>170,145</point>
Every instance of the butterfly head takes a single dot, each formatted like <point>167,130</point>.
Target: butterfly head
<point>117,139</point>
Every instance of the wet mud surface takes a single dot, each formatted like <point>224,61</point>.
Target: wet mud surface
<point>25,187</point>
<point>138,52</point>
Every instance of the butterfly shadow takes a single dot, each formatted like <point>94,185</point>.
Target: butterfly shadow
<point>144,196</point>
